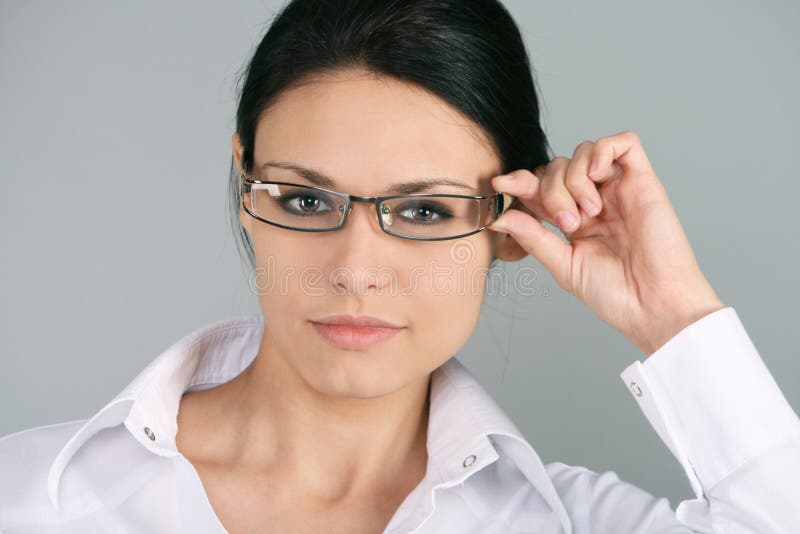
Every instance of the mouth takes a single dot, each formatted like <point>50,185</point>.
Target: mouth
<point>355,333</point>
<point>351,320</point>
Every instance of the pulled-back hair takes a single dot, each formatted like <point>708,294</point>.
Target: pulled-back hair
<point>470,53</point>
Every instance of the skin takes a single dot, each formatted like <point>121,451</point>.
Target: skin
<point>312,438</point>
<point>628,259</point>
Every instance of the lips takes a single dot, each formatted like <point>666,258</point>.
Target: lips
<point>355,333</point>
<point>361,320</point>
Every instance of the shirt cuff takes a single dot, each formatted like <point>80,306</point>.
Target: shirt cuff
<point>711,399</point>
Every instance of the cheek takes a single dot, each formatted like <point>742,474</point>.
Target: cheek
<point>286,277</point>
<point>449,296</point>
<point>459,270</point>
<point>288,257</point>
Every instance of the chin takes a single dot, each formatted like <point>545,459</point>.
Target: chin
<point>358,375</point>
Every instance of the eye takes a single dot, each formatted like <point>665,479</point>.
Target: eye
<point>303,204</point>
<point>425,212</point>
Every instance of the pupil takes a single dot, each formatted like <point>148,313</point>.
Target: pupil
<point>426,212</point>
<point>304,205</point>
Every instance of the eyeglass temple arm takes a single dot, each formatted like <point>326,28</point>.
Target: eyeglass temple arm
<point>505,202</point>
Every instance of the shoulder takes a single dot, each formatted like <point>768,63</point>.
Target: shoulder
<point>36,444</point>
<point>578,480</point>
<point>25,459</point>
<point>603,498</point>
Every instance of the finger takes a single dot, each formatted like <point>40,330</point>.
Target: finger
<point>543,244</point>
<point>578,183</point>
<point>524,185</point>
<point>555,197</point>
<point>625,149</point>
<point>517,204</point>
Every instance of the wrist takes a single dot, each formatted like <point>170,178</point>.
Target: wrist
<point>675,322</point>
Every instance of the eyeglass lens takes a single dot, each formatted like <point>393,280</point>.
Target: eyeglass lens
<point>419,217</point>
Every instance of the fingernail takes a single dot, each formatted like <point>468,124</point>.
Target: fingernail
<point>503,180</point>
<point>566,220</point>
<point>589,206</point>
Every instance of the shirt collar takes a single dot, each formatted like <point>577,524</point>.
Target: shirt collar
<point>462,421</point>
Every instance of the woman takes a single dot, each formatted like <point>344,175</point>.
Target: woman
<point>340,407</point>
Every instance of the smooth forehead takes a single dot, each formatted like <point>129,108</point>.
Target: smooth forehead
<point>355,124</point>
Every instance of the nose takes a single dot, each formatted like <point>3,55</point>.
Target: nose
<point>359,254</point>
<point>366,216</point>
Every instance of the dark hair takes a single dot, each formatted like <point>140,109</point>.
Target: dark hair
<point>468,52</point>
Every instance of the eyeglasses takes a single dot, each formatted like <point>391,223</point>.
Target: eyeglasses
<point>426,217</point>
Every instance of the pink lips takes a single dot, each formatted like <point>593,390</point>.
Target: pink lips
<point>354,333</point>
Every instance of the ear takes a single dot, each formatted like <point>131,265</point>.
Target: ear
<point>237,150</point>
<point>244,218</point>
<point>507,248</point>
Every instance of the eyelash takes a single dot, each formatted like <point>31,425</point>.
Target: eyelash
<point>442,212</point>
<point>285,198</point>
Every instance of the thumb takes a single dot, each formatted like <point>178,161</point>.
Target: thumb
<point>538,241</point>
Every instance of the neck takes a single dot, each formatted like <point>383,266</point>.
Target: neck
<point>329,447</point>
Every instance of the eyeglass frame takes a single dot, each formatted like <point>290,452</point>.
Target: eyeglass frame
<point>504,202</point>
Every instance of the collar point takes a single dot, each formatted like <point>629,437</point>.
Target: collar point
<point>52,490</point>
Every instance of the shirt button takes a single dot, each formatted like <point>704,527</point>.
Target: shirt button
<point>469,460</point>
<point>636,389</point>
<point>149,433</point>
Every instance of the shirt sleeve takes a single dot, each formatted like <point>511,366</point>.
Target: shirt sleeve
<point>711,399</point>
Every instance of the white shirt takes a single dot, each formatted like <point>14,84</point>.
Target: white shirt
<point>706,392</point>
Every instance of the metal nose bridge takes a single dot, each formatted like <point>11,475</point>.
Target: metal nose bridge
<point>356,198</point>
<point>363,199</point>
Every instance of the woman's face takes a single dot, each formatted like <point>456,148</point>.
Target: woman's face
<point>367,133</point>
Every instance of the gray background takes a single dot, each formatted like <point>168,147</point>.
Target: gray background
<point>114,154</point>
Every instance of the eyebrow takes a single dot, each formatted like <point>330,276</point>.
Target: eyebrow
<point>404,188</point>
